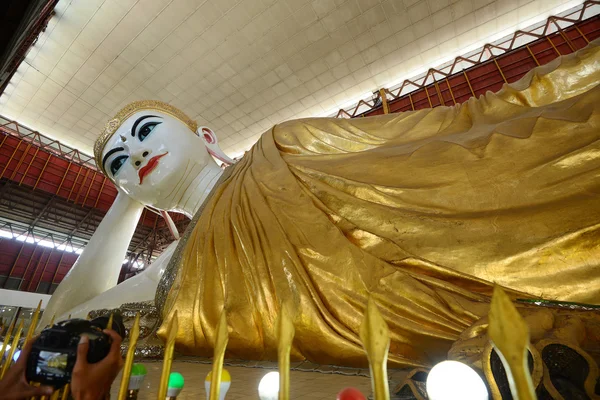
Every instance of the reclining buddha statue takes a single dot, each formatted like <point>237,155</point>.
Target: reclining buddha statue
<point>423,211</point>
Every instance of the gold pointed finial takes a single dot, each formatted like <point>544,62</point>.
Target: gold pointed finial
<point>7,339</point>
<point>33,324</point>
<point>375,337</point>
<point>510,335</point>
<point>168,357</point>
<point>109,324</point>
<point>123,138</point>
<point>219,355</point>
<point>13,348</point>
<point>52,320</point>
<point>65,392</point>
<point>285,334</point>
<point>134,334</point>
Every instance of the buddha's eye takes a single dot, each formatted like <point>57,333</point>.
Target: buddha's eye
<point>116,164</point>
<point>146,129</point>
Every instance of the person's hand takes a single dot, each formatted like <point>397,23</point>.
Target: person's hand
<point>93,381</point>
<point>15,386</point>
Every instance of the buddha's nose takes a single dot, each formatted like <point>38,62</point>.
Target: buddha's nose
<point>139,158</point>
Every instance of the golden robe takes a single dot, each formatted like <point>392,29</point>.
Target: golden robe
<point>422,210</point>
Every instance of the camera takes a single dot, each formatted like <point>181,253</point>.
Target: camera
<point>54,353</point>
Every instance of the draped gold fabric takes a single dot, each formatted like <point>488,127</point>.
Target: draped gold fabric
<point>422,210</point>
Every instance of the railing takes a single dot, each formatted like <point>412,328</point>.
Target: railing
<point>435,81</point>
<point>53,146</point>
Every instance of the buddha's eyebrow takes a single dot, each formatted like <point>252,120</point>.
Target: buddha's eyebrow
<point>140,119</point>
<point>113,151</point>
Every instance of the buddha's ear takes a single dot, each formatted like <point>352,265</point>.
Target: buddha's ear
<point>212,145</point>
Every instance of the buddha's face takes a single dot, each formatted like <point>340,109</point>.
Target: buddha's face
<point>148,157</point>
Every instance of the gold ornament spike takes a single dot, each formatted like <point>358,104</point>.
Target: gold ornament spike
<point>285,333</point>
<point>33,325</point>
<point>510,336</point>
<point>375,337</point>
<point>65,393</point>
<point>134,334</point>
<point>52,320</point>
<point>7,339</point>
<point>219,355</point>
<point>55,395</point>
<point>168,357</point>
<point>110,321</point>
<point>13,348</point>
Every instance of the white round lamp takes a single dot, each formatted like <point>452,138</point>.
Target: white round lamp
<point>268,388</point>
<point>453,380</point>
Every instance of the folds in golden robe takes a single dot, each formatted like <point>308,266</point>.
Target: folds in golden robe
<point>423,210</point>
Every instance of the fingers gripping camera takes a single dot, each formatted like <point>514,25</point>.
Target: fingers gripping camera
<point>54,353</point>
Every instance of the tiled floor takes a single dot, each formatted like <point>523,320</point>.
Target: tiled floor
<point>244,382</point>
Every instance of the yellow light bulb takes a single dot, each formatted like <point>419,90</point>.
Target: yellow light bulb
<point>225,384</point>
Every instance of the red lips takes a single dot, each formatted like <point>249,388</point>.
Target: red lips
<point>149,167</point>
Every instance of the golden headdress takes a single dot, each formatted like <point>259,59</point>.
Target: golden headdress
<point>130,109</point>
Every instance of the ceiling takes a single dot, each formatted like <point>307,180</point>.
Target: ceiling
<point>240,66</point>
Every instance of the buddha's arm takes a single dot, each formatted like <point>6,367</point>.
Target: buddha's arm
<point>139,288</point>
<point>97,268</point>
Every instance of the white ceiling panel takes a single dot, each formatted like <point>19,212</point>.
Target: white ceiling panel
<point>240,66</point>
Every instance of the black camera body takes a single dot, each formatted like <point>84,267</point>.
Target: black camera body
<point>54,353</point>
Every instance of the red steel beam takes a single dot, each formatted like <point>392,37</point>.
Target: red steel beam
<point>567,39</point>
<point>31,257</point>
<point>12,267</point>
<point>35,269</point>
